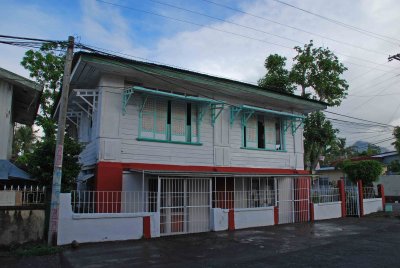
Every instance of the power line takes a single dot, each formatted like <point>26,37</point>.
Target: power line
<point>345,25</point>
<point>262,31</point>
<point>236,34</point>
<point>194,23</point>
<point>360,119</point>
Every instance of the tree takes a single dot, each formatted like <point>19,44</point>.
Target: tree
<point>277,76</point>
<point>394,166</point>
<point>319,70</point>
<point>46,66</point>
<point>24,138</point>
<point>40,162</point>
<point>335,151</point>
<point>396,134</point>
<point>367,171</point>
<point>318,134</point>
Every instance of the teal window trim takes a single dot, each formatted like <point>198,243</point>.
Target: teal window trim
<point>127,94</point>
<point>168,127</point>
<point>282,135</point>
<point>263,149</point>
<point>169,141</point>
<point>291,120</point>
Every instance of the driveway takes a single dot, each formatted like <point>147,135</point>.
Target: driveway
<point>372,241</point>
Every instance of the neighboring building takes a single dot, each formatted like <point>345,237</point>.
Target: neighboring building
<point>19,103</point>
<point>328,176</point>
<point>197,141</point>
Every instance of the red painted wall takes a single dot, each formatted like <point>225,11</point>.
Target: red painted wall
<point>108,178</point>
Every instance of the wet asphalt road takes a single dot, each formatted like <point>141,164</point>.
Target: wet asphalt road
<point>372,241</point>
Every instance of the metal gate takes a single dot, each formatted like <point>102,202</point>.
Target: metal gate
<point>184,205</point>
<point>293,199</point>
<point>352,201</point>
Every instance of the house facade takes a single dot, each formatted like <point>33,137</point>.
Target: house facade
<point>186,145</point>
<point>19,103</point>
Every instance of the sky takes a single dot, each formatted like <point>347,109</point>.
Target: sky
<point>217,39</point>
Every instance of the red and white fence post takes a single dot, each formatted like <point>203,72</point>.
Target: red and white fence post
<point>361,197</point>
<point>381,193</point>
<point>342,193</point>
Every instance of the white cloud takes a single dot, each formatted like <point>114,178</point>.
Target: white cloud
<point>223,54</point>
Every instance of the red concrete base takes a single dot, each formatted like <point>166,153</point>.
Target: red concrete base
<point>231,220</point>
<point>146,227</point>
<point>276,215</point>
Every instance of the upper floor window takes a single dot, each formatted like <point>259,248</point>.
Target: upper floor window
<point>262,132</point>
<point>169,120</point>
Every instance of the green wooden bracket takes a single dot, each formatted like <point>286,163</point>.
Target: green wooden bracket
<point>296,124</point>
<point>216,110</point>
<point>235,111</point>
<point>246,116</point>
<point>202,112</point>
<point>126,95</point>
<point>143,103</point>
<point>287,124</point>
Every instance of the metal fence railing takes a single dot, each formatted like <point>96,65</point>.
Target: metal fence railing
<point>113,201</point>
<point>22,196</point>
<point>325,195</point>
<point>370,193</point>
<point>243,199</point>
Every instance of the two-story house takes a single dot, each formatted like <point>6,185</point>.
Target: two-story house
<point>19,103</point>
<point>192,142</point>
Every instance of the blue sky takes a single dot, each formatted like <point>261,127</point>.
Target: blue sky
<point>208,50</point>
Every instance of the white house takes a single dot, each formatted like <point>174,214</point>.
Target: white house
<point>186,145</point>
<point>19,103</point>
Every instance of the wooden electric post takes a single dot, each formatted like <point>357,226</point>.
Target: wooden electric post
<point>58,157</point>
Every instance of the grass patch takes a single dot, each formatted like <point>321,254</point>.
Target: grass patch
<point>36,250</point>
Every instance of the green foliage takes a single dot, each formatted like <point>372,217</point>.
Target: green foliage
<point>35,250</point>
<point>371,150</point>
<point>394,166</point>
<point>23,140</point>
<point>277,76</point>
<point>47,66</point>
<point>318,134</point>
<point>396,134</point>
<point>319,70</point>
<point>367,171</point>
<point>335,150</point>
<point>40,162</point>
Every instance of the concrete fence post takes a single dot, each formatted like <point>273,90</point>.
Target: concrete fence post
<point>276,215</point>
<point>342,193</point>
<point>381,193</point>
<point>361,197</point>
<point>146,227</point>
<point>231,219</point>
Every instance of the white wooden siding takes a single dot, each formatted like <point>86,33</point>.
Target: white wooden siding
<point>6,125</point>
<point>220,145</point>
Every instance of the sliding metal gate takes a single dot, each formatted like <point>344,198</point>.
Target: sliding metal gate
<point>293,199</point>
<point>352,201</point>
<point>184,205</point>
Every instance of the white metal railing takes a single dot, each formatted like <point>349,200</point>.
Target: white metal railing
<point>113,201</point>
<point>325,195</point>
<point>370,193</point>
<point>244,199</point>
<point>22,195</point>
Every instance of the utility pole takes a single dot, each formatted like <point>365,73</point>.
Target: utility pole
<point>394,57</point>
<point>58,157</point>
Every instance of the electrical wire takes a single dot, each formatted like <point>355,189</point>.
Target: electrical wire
<point>345,25</point>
